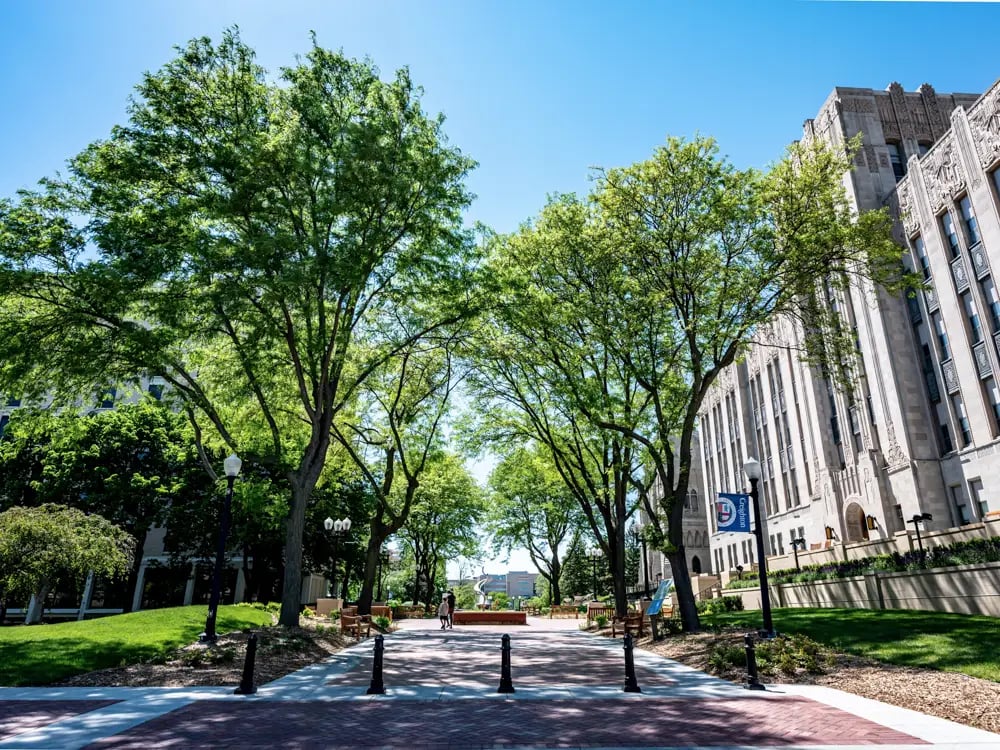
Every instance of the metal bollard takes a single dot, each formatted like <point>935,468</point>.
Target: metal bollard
<point>377,688</point>
<point>506,685</point>
<point>246,684</point>
<point>631,686</point>
<point>752,682</point>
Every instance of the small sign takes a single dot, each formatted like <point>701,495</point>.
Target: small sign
<point>732,511</point>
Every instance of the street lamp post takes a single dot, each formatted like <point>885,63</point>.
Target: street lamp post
<point>916,526</point>
<point>594,554</point>
<point>640,537</point>
<point>796,543</point>
<point>231,466</point>
<point>752,469</point>
<point>338,529</point>
<point>386,556</point>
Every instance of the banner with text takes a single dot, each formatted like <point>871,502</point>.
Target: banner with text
<point>732,511</point>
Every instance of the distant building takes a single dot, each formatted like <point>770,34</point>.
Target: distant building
<point>521,583</point>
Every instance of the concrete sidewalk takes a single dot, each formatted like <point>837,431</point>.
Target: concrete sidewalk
<point>441,692</point>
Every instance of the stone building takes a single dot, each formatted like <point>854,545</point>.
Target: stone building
<point>918,430</point>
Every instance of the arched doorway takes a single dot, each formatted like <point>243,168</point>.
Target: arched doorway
<point>857,530</point>
<point>696,565</point>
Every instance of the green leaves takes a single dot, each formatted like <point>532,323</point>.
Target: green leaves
<point>40,545</point>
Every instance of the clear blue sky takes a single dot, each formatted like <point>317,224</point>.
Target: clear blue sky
<point>536,92</point>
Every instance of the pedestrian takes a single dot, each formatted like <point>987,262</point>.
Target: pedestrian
<point>443,612</point>
<point>450,598</point>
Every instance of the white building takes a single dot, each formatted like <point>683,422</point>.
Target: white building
<point>918,430</point>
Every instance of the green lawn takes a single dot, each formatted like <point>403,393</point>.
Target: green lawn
<point>41,654</point>
<point>969,644</point>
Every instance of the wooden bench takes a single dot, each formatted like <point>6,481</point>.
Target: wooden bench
<point>381,611</point>
<point>594,612</point>
<point>499,617</point>
<point>355,625</point>
<point>564,610</point>
<point>633,623</point>
<point>532,611</point>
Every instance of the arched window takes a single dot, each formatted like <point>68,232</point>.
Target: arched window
<point>696,564</point>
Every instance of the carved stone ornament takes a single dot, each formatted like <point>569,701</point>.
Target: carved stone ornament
<point>984,119</point>
<point>895,456</point>
<point>963,137</point>
<point>890,128</point>
<point>943,174</point>
<point>980,262</point>
<point>858,104</point>
<point>905,202</point>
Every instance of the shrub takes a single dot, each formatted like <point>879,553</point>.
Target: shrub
<point>381,622</point>
<point>307,612</point>
<point>602,621</point>
<point>724,604</point>
<point>724,658</point>
<point>791,654</point>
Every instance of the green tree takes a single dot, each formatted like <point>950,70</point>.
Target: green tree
<point>669,269</point>
<point>530,507</point>
<point>40,546</point>
<point>441,525</point>
<point>135,465</point>
<point>238,237</point>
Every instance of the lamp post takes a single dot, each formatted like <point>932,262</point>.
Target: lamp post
<point>752,469</point>
<point>386,556</point>
<point>337,529</point>
<point>639,537</point>
<point>231,466</point>
<point>594,554</point>
<point>916,526</point>
<point>796,543</point>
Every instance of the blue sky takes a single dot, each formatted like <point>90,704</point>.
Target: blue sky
<point>536,92</point>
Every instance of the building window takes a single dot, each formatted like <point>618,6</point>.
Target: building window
<point>781,545</point>
<point>949,232</point>
<point>155,390</point>
<point>108,402</point>
<point>922,259</point>
<point>978,501</point>
<point>896,158</point>
<point>923,148</point>
<point>942,336</point>
<point>975,326</point>
<point>930,376</point>
<point>13,401</point>
<point>946,443</point>
<point>963,419</point>
<point>969,219</point>
<point>993,396</point>
<point>961,509</point>
<point>989,291</point>
<point>3,424</point>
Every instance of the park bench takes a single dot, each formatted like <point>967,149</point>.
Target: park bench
<point>633,623</point>
<point>355,625</point>
<point>564,610</point>
<point>532,611</point>
<point>594,612</point>
<point>381,611</point>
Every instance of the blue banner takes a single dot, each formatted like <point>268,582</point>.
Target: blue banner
<point>662,592</point>
<point>732,511</point>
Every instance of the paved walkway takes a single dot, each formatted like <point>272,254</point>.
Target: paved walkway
<point>441,692</point>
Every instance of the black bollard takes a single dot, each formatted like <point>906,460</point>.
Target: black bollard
<point>246,684</point>
<point>377,688</point>
<point>506,685</point>
<point>631,685</point>
<point>752,682</point>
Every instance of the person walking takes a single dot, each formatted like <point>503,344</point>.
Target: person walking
<point>450,598</point>
<point>443,612</point>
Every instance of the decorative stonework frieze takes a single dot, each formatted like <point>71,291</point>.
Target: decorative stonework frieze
<point>984,121</point>
<point>919,191</point>
<point>960,127</point>
<point>858,104</point>
<point>950,376</point>
<point>870,157</point>
<point>982,358</point>
<point>943,173</point>
<point>921,124</point>
<point>904,202</point>
<point>979,261</point>
<point>890,128</point>
<point>960,274</point>
<point>930,297</point>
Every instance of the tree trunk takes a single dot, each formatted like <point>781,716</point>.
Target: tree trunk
<point>555,594</point>
<point>133,574</point>
<point>291,591</point>
<point>34,613</point>
<point>685,594</point>
<point>371,565</point>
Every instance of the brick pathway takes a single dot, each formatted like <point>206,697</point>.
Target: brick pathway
<point>441,693</point>
<point>23,715</point>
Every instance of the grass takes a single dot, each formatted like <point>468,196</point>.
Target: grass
<point>42,654</point>
<point>969,644</point>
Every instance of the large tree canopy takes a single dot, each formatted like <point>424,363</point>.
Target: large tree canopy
<point>39,546</point>
<point>621,310</point>
<point>237,237</point>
